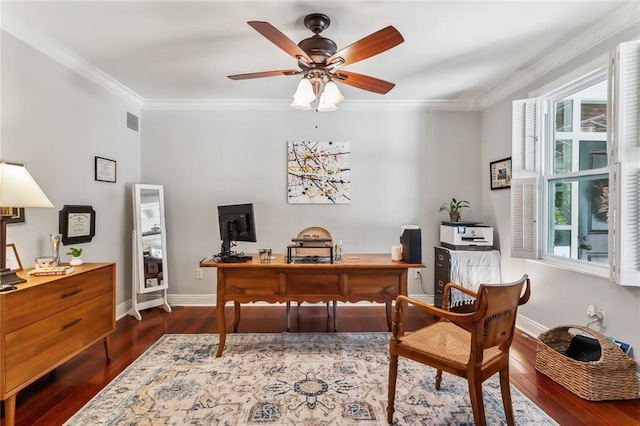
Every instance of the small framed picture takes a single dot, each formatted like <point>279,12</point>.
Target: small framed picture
<point>77,224</point>
<point>501,173</point>
<point>105,170</point>
<point>18,216</point>
<point>13,260</point>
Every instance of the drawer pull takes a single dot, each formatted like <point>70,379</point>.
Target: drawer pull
<point>72,323</point>
<point>440,257</point>
<point>71,293</point>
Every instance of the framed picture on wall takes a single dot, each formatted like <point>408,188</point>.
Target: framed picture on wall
<point>105,170</point>
<point>500,173</point>
<point>77,224</point>
<point>18,216</point>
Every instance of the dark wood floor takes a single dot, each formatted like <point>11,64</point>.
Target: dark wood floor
<point>52,400</point>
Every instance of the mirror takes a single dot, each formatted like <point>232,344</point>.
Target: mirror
<point>149,247</point>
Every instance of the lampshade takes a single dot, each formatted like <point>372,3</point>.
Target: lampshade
<point>326,104</point>
<point>297,104</point>
<point>18,189</point>
<point>305,92</point>
<point>333,93</point>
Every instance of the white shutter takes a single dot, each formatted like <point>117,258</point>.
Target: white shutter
<point>626,106</point>
<point>523,218</point>
<point>626,222</point>
<point>624,201</point>
<point>524,182</point>
<point>523,145</point>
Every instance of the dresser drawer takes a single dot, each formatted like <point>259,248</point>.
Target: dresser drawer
<point>39,346</point>
<point>35,303</point>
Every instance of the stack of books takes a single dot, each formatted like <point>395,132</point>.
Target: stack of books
<point>54,270</point>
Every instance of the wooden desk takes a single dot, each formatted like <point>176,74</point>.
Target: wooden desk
<point>49,320</point>
<point>360,277</point>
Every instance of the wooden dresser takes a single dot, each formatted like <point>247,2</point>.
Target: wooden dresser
<point>49,320</point>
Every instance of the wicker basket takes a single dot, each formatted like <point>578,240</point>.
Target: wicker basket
<point>611,377</point>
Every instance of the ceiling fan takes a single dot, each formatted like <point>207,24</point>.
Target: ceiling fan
<point>320,62</point>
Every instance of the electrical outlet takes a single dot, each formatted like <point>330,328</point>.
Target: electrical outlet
<point>418,274</point>
<point>596,315</point>
<point>198,273</point>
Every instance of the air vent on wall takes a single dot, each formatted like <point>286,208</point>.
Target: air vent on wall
<point>132,122</point>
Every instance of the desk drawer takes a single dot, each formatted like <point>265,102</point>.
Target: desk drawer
<point>35,303</point>
<point>316,283</point>
<point>39,346</point>
<point>250,282</point>
<point>381,285</point>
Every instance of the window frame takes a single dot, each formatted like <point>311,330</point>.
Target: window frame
<point>623,165</point>
<point>546,118</point>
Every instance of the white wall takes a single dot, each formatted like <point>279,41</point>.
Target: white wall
<point>405,164</point>
<point>55,122</point>
<point>558,296</point>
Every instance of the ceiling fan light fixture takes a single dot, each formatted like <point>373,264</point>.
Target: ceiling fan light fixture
<point>304,93</point>
<point>332,93</point>
<point>301,105</point>
<point>326,104</point>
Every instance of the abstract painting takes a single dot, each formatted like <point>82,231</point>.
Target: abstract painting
<point>318,172</point>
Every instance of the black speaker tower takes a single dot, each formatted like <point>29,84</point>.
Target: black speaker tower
<point>411,240</point>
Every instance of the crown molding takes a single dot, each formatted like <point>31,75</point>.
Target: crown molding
<point>260,104</point>
<point>40,41</point>
<point>619,21</point>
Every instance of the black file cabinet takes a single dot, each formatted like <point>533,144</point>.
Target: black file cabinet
<point>442,273</point>
<point>467,268</point>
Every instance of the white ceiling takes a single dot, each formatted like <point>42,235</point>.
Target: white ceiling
<point>469,52</point>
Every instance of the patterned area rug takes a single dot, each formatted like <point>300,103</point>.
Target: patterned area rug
<point>287,379</point>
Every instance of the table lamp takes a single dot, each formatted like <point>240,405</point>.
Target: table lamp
<point>17,190</point>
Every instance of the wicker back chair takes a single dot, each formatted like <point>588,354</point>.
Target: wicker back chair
<point>472,345</point>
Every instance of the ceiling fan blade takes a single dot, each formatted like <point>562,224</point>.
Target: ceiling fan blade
<point>263,74</point>
<point>282,41</point>
<point>369,46</point>
<point>364,82</point>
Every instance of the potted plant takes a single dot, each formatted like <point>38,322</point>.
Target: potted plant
<point>454,207</point>
<point>75,256</point>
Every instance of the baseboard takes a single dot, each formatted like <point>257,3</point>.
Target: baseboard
<point>529,326</point>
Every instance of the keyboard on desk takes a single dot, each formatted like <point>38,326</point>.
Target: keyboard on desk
<point>235,259</point>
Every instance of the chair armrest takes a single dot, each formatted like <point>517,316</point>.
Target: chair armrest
<point>449,286</point>
<point>447,293</point>
<point>401,301</point>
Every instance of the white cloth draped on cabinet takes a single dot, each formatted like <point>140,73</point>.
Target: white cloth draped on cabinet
<point>472,268</point>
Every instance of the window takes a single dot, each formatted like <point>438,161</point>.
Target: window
<point>576,181</point>
<point>576,172</point>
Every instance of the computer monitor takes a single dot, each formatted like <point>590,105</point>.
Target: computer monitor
<point>236,224</point>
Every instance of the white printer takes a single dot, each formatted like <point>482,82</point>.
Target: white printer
<point>466,236</point>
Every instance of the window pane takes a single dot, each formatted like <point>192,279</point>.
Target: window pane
<point>593,117</point>
<point>564,116</point>
<point>562,156</point>
<point>562,243</point>
<point>593,154</point>
<point>579,216</point>
<point>562,204</point>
